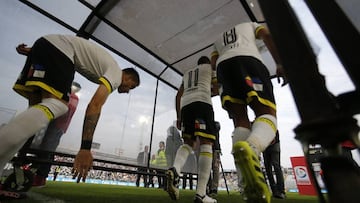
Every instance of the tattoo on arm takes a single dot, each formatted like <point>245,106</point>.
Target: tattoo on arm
<point>90,122</point>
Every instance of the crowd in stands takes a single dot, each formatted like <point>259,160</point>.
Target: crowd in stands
<point>231,177</point>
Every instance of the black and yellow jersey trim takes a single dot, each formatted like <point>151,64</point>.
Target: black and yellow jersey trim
<point>250,97</point>
<point>214,53</point>
<point>32,86</point>
<point>106,83</point>
<point>257,30</point>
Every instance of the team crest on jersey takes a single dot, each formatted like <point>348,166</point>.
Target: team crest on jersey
<point>200,124</point>
<point>255,83</point>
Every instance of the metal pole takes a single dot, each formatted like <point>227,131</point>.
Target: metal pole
<point>222,171</point>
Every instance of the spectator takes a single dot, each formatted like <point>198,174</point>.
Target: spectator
<point>272,161</point>
<point>56,172</point>
<point>151,176</point>
<point>160,162</point>
<point>142,160</point>
<point>173,142</point>
<point>213,183</point>
<point>189,169</point>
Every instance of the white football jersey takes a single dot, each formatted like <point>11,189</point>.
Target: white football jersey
<point>197,85</point>
<point>238,41</point>
<point>90,60</point>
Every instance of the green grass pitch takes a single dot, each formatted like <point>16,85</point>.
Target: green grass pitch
<point>59,192</point>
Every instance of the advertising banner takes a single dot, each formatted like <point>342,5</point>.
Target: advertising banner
<point>304,181</point>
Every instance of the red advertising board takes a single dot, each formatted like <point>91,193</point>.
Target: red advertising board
<point>304,181</point>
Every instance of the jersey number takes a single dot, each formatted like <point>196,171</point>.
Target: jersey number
<point>193,78</point>
<point>229,37</point>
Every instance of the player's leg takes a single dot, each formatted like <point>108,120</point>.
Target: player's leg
<point>278,171</point>
<point>246,158</point>
<point>14,134</point>
<point>238,113</point>
<point>187,123</point>
<point>138,176</point>
<point>237,86</point>
<point>33,81</point>
<point>260,98</point>
<point>173,177</point>
<point>264,127</point>
<point>204,168</point>
<point>206,132</point>
<point>262,101</point>
<point>214,180</point>
<point>267,155</point>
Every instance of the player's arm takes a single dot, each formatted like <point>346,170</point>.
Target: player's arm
<point>213,59</point>
<point>263,33</point>
<point>214,88</point>
<point>23,49</point>
<point>83,160</point>
<point>177,105</point>
<point>214,84</point>
<point>93,113</point>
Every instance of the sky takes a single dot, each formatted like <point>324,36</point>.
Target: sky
<point>288,117</point>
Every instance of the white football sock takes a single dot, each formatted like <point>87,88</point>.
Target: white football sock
<point>263,132</point>
<point>204,168</point>
<point>239,134</point>
<point>181,156</point>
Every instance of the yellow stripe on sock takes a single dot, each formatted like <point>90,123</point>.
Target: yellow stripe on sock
<point>267,121</point>
<point>206,135</point>
<point>46,110</point>
<point>187,148</point>
<point>208,154</point>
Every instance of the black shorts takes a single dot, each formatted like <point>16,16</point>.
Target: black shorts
<point>46,68</point>
<point>198,120</point>
<point>242,79</point>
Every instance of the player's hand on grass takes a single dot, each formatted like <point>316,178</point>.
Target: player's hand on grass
<point>82,164</point>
